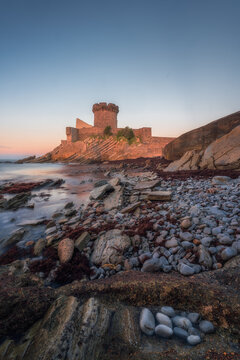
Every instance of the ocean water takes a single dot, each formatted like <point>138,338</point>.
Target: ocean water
<point>78,183</point>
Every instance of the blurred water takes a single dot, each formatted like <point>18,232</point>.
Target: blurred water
<point>79,182</point>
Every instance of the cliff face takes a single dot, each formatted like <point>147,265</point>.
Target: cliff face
<point>104,149</point>
<point>199,139</point>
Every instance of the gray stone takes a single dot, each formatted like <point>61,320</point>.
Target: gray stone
<point>185,269</point>
<point>181,333</point>
<point>221,180</point>
<point>187,244</point>
<point>186,236</point>
<point>152,265</point>
<point>228,253</point>
<point>171,243</point>
<point>204,257</point>
<point>182,322</point>
<point>206,241</point>
<point>147,322</point>
<point>168,310</point>
<point>225,240</point>
<point>206,327</point>
<point>99,192</point>
<point>164,319</point>
<point>163,331</point>
<point>142,185</point>
<point>193,317</point>
<point>193,340</point>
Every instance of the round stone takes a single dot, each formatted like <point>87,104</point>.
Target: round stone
<point>193,340</point>
<point>181,333</point>
<point>206,327</point>
<point>186,223</point>
<point>185,269</point>
<point>182,322</point>
<point>168,310</point>
<point>163,331</point>
<point>147,322</point>
<point>193,317</point>
<point>164,319</point>
<point>228,253</point>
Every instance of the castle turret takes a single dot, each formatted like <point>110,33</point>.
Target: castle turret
<point>105,115</point>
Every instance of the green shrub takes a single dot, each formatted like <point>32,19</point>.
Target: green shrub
<point>107,131</point>
<point>127,133</point>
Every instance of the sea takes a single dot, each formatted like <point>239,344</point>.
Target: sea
<point>78,182</point>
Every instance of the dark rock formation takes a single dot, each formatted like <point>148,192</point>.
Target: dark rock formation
<point>100,319</point>
<point>199,139</point>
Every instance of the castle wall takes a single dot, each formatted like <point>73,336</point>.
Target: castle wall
<point>144,133</point>
<point>86,132</point>
<point>72,134</point>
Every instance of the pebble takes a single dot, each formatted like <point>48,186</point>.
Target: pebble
<point>193,317</point>
<point>163,331</point>
<point>164,319</point>
<point>182,322</point>
<point>168,310</point>
<point>152,265</point>
<point>193,340</point>
<point>147,322</point>
<point>171,243</point>
<point>185,270</point>
<point>206,327</point>
<point>228,253</point>
<point>181,333</point>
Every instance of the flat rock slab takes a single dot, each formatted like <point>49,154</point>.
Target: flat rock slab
<point>160,195</point>
<point>32,222</point>
<point>101,191</point>
<point>130,207</point>
<point>143,185</point>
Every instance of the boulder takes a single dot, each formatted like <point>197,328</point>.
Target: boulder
<point>198,139</point>
<point>65,250</point>
<point>109,247</point>
<point>223,153</point>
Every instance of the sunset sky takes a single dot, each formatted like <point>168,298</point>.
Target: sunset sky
<point>173,65</point>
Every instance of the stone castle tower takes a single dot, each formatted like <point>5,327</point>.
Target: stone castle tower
<point>105,115</point>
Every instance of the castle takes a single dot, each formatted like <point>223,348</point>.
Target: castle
<point>85,142</point>
<point>104,115</point>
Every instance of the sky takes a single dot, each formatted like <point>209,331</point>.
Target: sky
<point>173,65</point>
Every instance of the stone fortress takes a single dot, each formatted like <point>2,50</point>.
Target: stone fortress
<point>85,142</point>
<point>104,115</point>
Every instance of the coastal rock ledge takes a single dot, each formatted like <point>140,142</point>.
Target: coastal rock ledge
<point>93,320</point>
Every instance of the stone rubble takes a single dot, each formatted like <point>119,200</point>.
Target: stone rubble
<point>192,229</point>
<point>185,326</point>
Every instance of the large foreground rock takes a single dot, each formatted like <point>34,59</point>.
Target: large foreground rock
<point>223,153</point>
<point>99,320</point>
<point>199,139</point>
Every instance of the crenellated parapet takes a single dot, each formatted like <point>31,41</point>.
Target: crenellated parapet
<point>106,107</point>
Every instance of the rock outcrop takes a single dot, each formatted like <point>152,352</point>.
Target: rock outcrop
<point>223,153</point>
<point>100,319</point>
<point>198,139</point>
